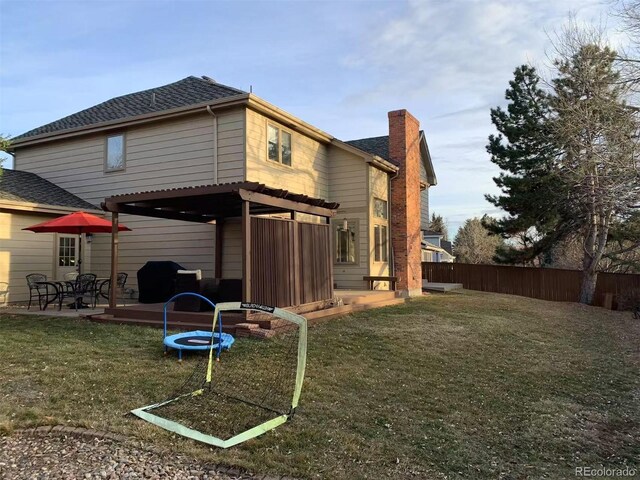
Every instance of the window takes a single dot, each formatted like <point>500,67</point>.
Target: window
<point>278,145</point>
<point>381,244</point>
<point>380,208</point>
<point>380,231</point>
<point>67,252</point>
<point>115,153</point>
<point>346,241</point>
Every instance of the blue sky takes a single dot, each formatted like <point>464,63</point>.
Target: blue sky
<point>340,66</point>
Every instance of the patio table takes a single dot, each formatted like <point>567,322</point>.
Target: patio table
<point>61,287</point>
<point>57,286</point>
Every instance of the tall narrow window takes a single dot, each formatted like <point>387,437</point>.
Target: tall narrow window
<point>278,145</point>
<point>381,244</point>
<point>285,137</point>
<point>345,242</point>
<point>115,153</point>
<point>380,229</point>
<point>272,139</point>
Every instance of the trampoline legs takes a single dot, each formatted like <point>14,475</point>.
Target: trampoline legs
<point>180,355</point>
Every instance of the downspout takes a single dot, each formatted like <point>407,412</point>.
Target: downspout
<point>215,144</point>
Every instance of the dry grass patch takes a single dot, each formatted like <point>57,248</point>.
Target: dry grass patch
<point>469,385</point>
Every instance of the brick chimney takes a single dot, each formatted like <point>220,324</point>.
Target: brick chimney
<point>404,151</point>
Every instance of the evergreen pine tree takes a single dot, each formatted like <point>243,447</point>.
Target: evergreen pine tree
<point>531,192</point>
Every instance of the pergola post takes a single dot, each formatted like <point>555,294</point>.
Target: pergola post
<point>297,280</point>
<point>331,250</point>
<point>246,252</point>
<point>114,260</point>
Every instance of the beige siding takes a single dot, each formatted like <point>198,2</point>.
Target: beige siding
<point>22,253</point>
<point>309,172</point>
<point>176,153</point>
<point>231,144</point>
<point>379,188</point>
<point>348,180</point>
<point>232,249</point>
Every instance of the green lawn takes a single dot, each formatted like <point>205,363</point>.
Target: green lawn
<point>469,385</point>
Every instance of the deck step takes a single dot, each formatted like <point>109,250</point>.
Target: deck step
<point>261,326</point>
<point>368,297</point>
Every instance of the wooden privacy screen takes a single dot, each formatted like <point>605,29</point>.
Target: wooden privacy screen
<point>315,262</point>
<point>290,262</point>
<point>544,283</point>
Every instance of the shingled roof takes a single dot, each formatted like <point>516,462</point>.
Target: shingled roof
<point>374,145</point>
<point>380,146</point>
<point>19,186</point>
<point>188,91</point>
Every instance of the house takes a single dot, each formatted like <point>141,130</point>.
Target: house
<point>27,199</point>
<point>195,167</point>
<point>435,249</point>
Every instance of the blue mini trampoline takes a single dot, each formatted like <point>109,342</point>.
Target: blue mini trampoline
<point>196,339</point>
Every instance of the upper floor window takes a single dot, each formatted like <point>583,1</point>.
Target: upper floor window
<point>115,157</point>
<point>278,145</point>
<point>380,208</point>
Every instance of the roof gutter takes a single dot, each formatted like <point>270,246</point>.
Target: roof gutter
<point>265,108</point>
<point>129,121</point>
<point>13,205</point>
<point>374,160</point>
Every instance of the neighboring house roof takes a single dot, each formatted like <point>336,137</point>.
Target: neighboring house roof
<point>380,146</point>
<point>188,91</point>
<point>431,247</point>
<point>447,246</point>
<point>27,187</point>
<point>431,233</point>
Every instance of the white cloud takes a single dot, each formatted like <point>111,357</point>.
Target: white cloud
<point>449,63</point>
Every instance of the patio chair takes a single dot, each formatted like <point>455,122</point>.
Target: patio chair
<point>83,286</point>
<point>37,290</point>
<point>70,276</point>
<point>104,288</point>
<point>4,291</point>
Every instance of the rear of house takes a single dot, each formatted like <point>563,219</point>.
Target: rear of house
<point>198,132</point>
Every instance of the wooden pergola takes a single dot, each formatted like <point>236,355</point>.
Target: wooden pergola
<point>215,203</point>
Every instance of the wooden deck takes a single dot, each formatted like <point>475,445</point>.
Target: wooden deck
<point>440,287</point>
<point>236,323</point>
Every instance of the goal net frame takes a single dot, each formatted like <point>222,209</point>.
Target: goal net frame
<point>176,427</point>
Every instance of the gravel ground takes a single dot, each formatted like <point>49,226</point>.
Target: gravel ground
<point>69,457</point>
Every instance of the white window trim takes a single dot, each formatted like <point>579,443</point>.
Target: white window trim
<point>280,130</point>
<point>380,224</point>
<point>124,153</point>
<point>373,208</point>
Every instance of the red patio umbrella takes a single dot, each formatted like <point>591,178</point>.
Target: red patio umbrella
<point>76,223</point>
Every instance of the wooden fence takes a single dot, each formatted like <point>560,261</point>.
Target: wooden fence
<point>544,283</point>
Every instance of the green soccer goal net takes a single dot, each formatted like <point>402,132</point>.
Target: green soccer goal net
<point>255,387</point>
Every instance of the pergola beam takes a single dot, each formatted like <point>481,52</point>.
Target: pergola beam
<point>284,204</point>
<point>156,213</point>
